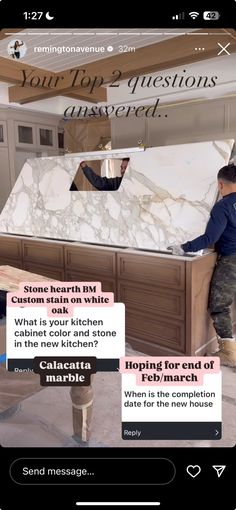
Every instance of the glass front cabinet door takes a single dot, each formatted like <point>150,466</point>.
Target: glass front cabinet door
<point>3,133</point>
<point>46,137</point>
<point>25,134</point>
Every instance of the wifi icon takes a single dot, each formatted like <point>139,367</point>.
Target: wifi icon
<point>194,14</point>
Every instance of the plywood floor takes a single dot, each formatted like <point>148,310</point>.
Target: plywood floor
<point>14,387</point>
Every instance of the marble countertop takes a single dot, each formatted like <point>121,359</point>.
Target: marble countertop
<point>165,198</point>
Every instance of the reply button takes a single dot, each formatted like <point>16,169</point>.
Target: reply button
<point>91,471</point>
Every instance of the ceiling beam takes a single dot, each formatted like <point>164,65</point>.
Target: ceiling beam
<point>24,95</point>
<point>4,35</point>
<point>230,31</point>
<point>12,72</point>
<point>177,51</point>
<point>174,52</point>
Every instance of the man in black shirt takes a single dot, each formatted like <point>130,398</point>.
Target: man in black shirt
<point>103,183</point>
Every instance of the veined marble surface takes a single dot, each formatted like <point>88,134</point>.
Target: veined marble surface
<point>165,197</point>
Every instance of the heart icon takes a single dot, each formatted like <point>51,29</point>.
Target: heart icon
<point>193,471</point>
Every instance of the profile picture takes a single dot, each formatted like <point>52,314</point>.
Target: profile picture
<point>16,49</point>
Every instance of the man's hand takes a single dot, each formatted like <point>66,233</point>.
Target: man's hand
<point>176,249</point>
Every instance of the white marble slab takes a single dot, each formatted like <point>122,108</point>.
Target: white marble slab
<point>165,197</point>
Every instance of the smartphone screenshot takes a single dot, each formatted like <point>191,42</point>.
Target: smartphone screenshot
<point>117,257</point>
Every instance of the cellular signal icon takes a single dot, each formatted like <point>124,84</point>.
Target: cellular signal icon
<point>178,16</point>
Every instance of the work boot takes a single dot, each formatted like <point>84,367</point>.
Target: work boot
<point>227,352</point>
<point>87,444</point>
<point>82,416</point>
<point>82,444</point>
<point>82,401</point>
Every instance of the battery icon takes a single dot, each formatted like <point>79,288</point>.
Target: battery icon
<point>211,15</point>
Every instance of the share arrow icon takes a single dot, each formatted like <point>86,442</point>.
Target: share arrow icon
<point>219,470</point>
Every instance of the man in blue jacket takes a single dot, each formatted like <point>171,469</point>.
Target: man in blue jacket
<point>221,231</point>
